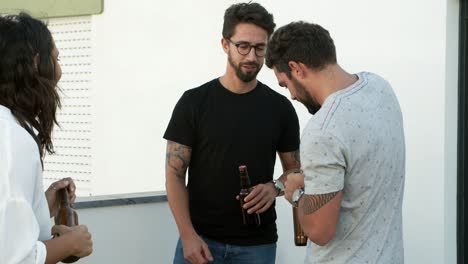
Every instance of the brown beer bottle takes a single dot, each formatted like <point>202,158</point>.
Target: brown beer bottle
<point>247,219</point>
<point>300,238</point>
<point>66,216</point>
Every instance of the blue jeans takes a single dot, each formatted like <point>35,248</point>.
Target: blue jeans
<point>232,254</point>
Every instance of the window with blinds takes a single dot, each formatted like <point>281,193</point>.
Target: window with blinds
<point>72,140</point>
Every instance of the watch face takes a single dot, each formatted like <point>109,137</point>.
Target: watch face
<point>296,195</point>
<point>279,185</point>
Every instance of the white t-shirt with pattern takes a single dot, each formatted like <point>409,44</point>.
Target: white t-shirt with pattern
<point>355,143</point>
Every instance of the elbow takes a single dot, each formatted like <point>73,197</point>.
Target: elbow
<point>173,182</point>
<point>321,236</point>
<point>173,179</point>
<point>169,184</point>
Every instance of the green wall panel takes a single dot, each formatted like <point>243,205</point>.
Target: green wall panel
<point>52,8</point>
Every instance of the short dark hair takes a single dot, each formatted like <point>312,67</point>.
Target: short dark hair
<point>302,42</point>
<point>26,88</point>
<point>247,13</point>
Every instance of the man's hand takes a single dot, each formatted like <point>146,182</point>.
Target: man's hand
<point>294,181</point>
<point>260,198</point>
<point>196,251</point>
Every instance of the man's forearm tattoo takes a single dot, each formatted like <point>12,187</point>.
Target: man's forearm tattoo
<point>311,203</point>
<point>178,158</point>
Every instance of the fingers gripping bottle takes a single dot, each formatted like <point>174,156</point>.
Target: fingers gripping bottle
<point>246,187</point>
<point>66,215</point>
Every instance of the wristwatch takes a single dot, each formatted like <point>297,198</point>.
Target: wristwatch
<point>279,187</point>
<point>297,194</point>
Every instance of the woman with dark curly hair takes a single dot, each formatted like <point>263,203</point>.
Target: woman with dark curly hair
<point>29,72</point>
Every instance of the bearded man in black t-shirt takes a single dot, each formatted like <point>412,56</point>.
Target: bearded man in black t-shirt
<point>227,122</point>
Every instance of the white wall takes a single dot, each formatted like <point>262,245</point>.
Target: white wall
<point>451,118</point>
<point>136,234</point>
<point>145,59</point>
<point>146,233</point>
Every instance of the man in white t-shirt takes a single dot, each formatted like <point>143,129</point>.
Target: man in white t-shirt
<point>352,151</point>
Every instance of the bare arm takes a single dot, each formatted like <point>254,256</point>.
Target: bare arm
<point>318,213</point>
<point>291,162</point>
<point>319,216</point>
<point>177,161</point>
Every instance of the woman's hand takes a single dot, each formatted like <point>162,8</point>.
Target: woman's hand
<point>58,230</point>
<point>51,193</point>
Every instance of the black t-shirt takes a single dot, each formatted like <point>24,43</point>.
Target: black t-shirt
<point>226,130</point>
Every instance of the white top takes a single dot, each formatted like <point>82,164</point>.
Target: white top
<point>355,143</point>
<point>24,212</point>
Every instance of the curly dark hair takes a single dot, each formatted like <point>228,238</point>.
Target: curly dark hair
<point>247,13</point>
<point>303,42</point>
<point>28,85</point>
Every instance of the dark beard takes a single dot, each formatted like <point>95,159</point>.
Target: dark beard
<point>245,77</point>
<point>306,99</point>
<point>312,108</point>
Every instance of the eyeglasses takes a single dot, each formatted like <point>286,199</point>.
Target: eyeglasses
<point>244,48</point>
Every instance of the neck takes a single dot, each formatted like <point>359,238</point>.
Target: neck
<point>231,82</point>
<point>332,79</point>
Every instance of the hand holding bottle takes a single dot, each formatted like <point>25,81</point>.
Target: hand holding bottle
<point>260,198</point>
<point>294,181</point>
<point>253,218</point>
<point>67,216</point>
<point>78,237</point>
<point>51,194</point>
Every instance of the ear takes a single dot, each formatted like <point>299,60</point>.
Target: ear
<point>297,69</point>
<point>225,45</point>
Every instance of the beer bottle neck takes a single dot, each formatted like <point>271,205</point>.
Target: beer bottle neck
<point>244,181</point>
<point>64,198</point>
